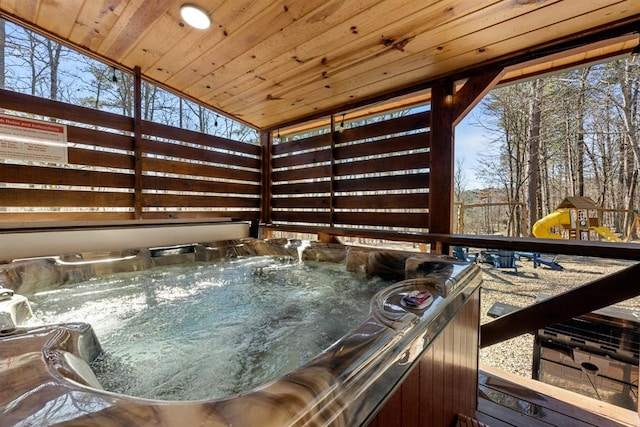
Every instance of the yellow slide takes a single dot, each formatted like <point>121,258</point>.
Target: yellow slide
<point>607,234</point>
<point>541,228</point>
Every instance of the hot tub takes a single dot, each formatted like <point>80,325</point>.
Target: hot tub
<point>47,379</point>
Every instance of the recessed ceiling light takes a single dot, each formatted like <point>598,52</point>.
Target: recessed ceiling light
<point>195,16</point>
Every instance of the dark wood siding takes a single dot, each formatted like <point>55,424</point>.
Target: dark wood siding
<point>373,174</point>
<point>444,382</point>
<point>183,173</point>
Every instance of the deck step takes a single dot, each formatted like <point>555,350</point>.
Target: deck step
<point>464,421</point>
<point>505,399</point>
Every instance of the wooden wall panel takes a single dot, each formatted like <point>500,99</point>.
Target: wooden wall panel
<point>302,144</point>
<point>187,201</point>
<point>184,173</point>
<point>57,176</point>
<point>408,123</point>
<point>21,197</point>
<point>298,174</point>
<point>383,164</point>
<point>383,219</point>
<point>55,109</point>
<point>417,141</point>
<point>119,140</point>
<point>302,188</point>
<point>354,176</point>
<point>444,382</point>
<point>195,169</point>
<point>244,215</point>
<point>181,173</point>
<point>173,133</point>
<point>320,218</point>
<point>103,159</point>
<point>303,159</point>
<point>185,184</point>
<point>300,202</point>
<point>66,215</point>
<point>385,201</point>
<point>300,180</point>
<point>395,182</point>
<point>182,151</point>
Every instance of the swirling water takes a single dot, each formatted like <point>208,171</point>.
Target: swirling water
<point>209,330</point>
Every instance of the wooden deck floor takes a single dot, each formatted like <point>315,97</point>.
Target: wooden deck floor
<point>506,400</point>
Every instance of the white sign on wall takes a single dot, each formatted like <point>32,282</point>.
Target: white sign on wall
<point>35,140</point>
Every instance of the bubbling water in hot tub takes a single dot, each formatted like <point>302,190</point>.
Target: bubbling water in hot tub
<point>209,330</point>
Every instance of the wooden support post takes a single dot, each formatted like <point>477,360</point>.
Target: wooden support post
<point>266,143</point>
<point>448,109</point>
<point>441,160</point>
<point>137,143</point>
<point>332,197</point>
<point>474,89</point>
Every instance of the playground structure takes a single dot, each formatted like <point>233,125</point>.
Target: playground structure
<point>580,216</point>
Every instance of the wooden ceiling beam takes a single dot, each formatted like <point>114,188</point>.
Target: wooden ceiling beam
<point>473,91</point>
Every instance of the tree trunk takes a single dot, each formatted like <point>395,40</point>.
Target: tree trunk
<point>2,45</point>
<point>534,152</point>
<point>629,88</point>
<point>580,132</point>
<point>54,50</point>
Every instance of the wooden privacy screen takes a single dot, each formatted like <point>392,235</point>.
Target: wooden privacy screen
<point>183,174</point>
<point>372,175</point>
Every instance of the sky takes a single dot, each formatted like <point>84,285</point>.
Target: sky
<point>470,143</point>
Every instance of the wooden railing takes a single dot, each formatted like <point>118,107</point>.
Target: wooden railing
<point>594,295</point>
<point>440,243</point>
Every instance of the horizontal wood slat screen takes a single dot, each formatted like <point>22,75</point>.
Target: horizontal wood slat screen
<point>56,177</point>
<point>156,183</point>
<point>302,173</point>
<point>63,198</point>
<point>303,159</point>
<point>307,143</point>
<point>303,217</point>
<point>303,189</point>
<point>383,164</point>
<point>408,201</point>
<point>185,174</point>
<point>371,173</point>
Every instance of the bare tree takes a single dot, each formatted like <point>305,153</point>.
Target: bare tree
<point>2,54</point>
<point>534,152</point>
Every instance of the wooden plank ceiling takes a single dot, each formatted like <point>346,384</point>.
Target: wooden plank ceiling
<point>271,62</point>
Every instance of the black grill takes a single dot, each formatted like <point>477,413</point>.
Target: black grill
<point>595,354</point>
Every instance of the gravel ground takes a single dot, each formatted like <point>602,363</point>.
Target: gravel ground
<point>522,289</point>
